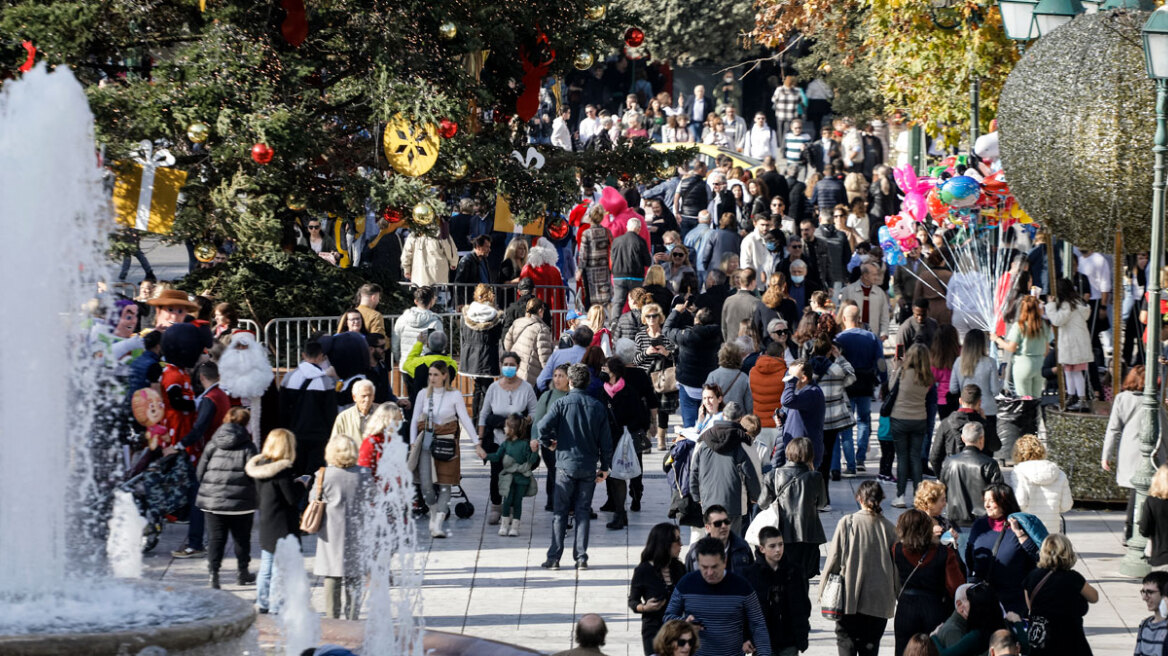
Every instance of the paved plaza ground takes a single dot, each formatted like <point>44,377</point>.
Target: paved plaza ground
<point>480,584</point>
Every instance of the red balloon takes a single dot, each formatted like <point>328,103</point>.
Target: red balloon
<point>557,229</point>
<point>634,37</point>
<point>392,215</point>
<point>937,208</point>
<point>447,128</point>
<point>262,153</point>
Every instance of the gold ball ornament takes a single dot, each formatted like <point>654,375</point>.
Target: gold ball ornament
<point>295,202</point>
<point>423,214</point>
<point>205,251</point>
<point>459,170</point>
<point>448,31</point>
<point>596,12</point>
<point>583,60</point>
<point>198,132</point>
<point>411,149</point>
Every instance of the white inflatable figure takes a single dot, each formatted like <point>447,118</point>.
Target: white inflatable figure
<point>245,373</point>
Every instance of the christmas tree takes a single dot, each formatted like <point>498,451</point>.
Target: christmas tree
<point>284,109</point>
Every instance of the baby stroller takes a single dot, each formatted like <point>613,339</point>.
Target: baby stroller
<point>161,490</point>
<point>463,509</point>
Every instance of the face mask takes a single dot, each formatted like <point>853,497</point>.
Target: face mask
<point>509,372</point>
<point>669,247</point>
<point>772,246</point>
<point>797,279</point>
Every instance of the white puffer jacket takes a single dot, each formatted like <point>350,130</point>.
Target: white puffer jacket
<point>409,325</point>
<point>1074,342</point>
<point>1042,489</point>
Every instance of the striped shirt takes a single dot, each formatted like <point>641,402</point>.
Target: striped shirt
<point>793,146</point>
<point>1150,638</point>
<point>726,611</point>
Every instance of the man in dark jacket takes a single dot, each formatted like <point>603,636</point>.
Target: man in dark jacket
<point>717,291</point>
<point>920,328</point>
<point>518,308</point>
<point>579,429</point>
<point>828,193</point>
<point>630,259</point>
<point>834,243</point>
<point>781,587</point>
<point>720,467</point>
<point>966,476</point>
<point>472,270</point>
<point>739,556</point>
<point>741,305</point>
<point>697,356</point>
<point>692,196</point>
<point>948,439</point>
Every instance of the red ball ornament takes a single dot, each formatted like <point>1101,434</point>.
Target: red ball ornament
<point>557,228</point>
<point>447,128</point>
<point>392,215</point>
<point>634,37</point>
<point>262,153</point>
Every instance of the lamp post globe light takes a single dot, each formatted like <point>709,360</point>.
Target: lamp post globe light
<point>1050,15</point>
<point>1018,18</point>
<point>1092,6</point>
<point>1155,35</point>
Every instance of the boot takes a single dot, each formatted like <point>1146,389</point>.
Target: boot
<point>514,531</point>
<point>661,439</point>
<point>1072,402</point>
<point>635,505</point>
<point>215,579</point>
<point>494,514</point>
<point>608,507</point>
<point>504,524</point>
<point>436,519</point>
<point>619,521</point>
<point>245,577</point>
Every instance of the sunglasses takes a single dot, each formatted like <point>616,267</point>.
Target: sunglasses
<point>719,523</point>
<point>796,247</point>
<point>314,227</point>
<point>678,254</point>
<point>837,216</point>
<point>652,316</point>
<point>781,332</point>
<point>683,642</point>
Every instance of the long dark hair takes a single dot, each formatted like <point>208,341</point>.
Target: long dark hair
<point>1065,292</point>
<point>1003,496</point>
<point>659,546</point>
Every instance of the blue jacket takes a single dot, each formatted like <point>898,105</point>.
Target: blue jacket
<point>865,353</point>
<point>138,370</point>
<point>804,410</point>
<point>1005,572</point>
<point>728,613</point>
<point>570,355</point>
<point>582,429</point>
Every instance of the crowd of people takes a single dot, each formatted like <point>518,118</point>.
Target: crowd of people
<point>747,326</point>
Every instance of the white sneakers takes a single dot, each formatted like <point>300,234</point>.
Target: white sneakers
<point>504,525</point>
<point>509,527</point>
<point>436,519</point>
<point>898,502</point>
<point>514,532</point>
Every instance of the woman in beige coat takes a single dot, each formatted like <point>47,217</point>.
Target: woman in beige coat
<point>531,338</point>
<point>861,554</point>
<point>428,259</point>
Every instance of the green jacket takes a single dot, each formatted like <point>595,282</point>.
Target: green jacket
<point>415,358</point>
<point>518,460</point>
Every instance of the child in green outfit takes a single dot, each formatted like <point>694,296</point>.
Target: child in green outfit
<point>519,455</point>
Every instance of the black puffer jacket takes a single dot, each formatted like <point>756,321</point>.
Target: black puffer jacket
<point>482,329</point>
<point>697,348</point>
<point>279,499</point>
<point>224,485</point>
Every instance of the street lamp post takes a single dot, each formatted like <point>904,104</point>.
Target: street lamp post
<point>1050,15</point>
<point>1155,35</point>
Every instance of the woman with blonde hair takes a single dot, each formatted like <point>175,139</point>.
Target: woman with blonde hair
<point>654,285</point>
<point>931,498</point>
<point>908,423</point>
<point>1058,599</point>
<point>381,427</point>
<point>776,304</point>
<point>1042,489</point>
<point>280,495</point>
<point>439,411</point>
<point>1154,519</point>
<point>344,488</point>
<point>601,336</point>
<point>513,260</point>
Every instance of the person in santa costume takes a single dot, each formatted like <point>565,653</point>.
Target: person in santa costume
<point>541,268</point>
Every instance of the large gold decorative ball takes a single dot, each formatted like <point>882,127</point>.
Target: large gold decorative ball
<point>198,132</point>
<point>583,60</point>
<point>423,214</point>
<point>459,170</point>
<point>205,251</point>
<point>596,12</point>
<point>411,149</point>
<point>295,202</point>
<point>448,31</point>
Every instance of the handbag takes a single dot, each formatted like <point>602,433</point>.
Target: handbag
<point>664,380</point>
<point>313,515</point>
<point>831,602</point>
<point>772,515</point>
<point>890,400</point>
<point>1038,629</point>
<point>625,466</point>
<point>440,439</point>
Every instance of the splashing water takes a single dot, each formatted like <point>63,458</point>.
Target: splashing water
<point>393,569</point>
<point>299,623</point>
<point>124,548</point>
<point>55,220</point>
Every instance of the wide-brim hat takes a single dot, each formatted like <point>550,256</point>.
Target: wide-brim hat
<point>173,298</point>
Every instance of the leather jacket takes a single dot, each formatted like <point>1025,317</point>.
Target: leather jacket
<point>966,476</point>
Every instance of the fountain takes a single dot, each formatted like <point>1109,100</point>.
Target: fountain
<point>57,594</point>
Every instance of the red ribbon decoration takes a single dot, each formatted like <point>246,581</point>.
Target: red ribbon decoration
<point>295,25</point>
<point>28,63</point>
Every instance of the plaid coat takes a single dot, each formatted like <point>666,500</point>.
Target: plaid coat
<point>837,414</point>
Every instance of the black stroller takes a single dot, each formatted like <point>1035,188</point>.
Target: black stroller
<point>161,489</point>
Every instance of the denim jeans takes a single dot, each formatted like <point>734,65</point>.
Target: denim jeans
<point>908,435</point>
<point>689,409</point>
<point>264,581</point>
<point>575,494</point>
<point>932,421</point>
<point>862,412</point>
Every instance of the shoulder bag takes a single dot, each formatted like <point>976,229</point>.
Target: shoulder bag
<point>443,438</point>
<point>831,602</point>
<point>890,400</point>
<point>313,515</point>
<point>664,378</point>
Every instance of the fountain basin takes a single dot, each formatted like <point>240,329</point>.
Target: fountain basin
<point>350,635</point>
<point>122,618</point>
